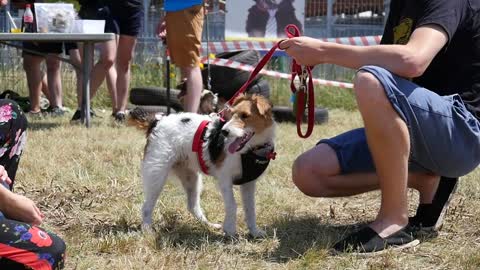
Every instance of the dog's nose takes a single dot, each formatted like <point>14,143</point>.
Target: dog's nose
<point>225,132</point>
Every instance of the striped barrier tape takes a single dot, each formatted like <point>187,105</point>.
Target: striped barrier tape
<point>270,73</point>
<point>232,46</point>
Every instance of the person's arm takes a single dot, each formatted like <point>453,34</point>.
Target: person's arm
<point>409,60</point>
<point>19,207</point>
<point>16,206</point>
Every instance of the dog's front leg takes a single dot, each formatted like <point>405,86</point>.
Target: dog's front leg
<point>248,199</point>
<point>230,222</point>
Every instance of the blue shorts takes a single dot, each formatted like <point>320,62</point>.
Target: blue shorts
<point>444,135</point>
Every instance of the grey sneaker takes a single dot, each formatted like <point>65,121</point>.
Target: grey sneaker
<point>55,111</point>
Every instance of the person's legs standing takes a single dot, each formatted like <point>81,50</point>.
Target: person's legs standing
<point>129,20</point>
<point>184,33</point>
<point>194,88</point>
<point>31,65</point>
<point>125,51</point>
<point>75,60</point>
<point>104,69</point>
<point>54,79</point>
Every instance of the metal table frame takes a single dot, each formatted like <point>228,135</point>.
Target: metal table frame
<point>88,41</point>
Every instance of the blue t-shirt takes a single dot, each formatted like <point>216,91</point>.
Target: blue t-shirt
<point>176,5</point>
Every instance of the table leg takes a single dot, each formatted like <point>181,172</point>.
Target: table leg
<point>87,68</point>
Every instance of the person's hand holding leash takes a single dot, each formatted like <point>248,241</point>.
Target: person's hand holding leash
<point>305,50</point>
<point>3,2</point>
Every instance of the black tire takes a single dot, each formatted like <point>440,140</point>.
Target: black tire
<point>156,109</point>
<point>155,96</point>
<point>286,114</point>
<point>261,87</point>
<point>226,81</point>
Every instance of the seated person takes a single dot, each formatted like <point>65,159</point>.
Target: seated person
<point>23,245</point>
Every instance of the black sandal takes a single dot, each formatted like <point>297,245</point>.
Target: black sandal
<point>367,242</point>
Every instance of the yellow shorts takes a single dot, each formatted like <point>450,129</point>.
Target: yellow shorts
<point>184,35</point>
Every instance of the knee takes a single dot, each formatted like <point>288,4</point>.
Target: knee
<point>309,180</point>
<point>107,62</point>
<point>58,249</point>
<point>366,87</point>
<point>123,63</point>
<point>53,65</point>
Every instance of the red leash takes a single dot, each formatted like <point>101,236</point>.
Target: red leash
<point>305,90</point>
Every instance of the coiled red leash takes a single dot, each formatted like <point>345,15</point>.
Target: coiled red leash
<point>305,92</point>
<point>302,94</point>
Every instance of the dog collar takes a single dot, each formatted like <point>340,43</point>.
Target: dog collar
<point>198,143</point>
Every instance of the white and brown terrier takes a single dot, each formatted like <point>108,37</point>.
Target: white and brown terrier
<point>188,144</point>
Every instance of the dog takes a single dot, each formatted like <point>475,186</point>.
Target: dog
<point>208,99</point>
<point>231,150</point>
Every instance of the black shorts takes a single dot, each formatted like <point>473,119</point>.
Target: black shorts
<point>125,20</point>
<point>49,47</point>
<point>119,19</point>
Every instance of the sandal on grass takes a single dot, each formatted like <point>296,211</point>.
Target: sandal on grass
<point>367,242</point>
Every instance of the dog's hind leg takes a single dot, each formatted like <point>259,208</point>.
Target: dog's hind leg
<point>154,177</point>
<point>192,183</point>
<point>248,198</point>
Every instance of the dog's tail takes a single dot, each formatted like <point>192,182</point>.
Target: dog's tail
<point>142,119</point>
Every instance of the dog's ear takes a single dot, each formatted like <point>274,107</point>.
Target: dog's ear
<point>264,106</point>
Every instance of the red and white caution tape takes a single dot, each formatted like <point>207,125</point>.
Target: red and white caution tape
<point>232,46</point>
<point>275,74</point>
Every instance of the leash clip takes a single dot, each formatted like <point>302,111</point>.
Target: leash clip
<point>303,78</point>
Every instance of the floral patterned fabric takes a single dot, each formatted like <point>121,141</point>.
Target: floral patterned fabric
<point>22,246</point>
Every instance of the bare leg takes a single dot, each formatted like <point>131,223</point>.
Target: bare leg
<point>104,69</point>
<point>389,142</point>
<point>31,65</point>
<point>323,179</point>
<point>76,61</point>
<point>54,81</point>
<point>126,47</point>
<point>45,85</point>
<point>194,87</point>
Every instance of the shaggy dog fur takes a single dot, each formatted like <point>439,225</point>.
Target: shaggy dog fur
<point>169,149</point>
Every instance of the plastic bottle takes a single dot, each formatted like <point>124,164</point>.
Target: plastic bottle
<point>28,25</point>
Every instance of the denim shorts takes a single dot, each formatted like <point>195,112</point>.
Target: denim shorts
<point>444,135</point>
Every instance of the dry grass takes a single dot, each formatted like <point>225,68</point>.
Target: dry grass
<point>88,184</point>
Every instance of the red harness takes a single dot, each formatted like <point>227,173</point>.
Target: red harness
<point>198,143</point>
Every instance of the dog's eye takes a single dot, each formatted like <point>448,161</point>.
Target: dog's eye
<point>243,116</point>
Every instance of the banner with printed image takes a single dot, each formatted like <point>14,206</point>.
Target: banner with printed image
<point>262,19</point>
